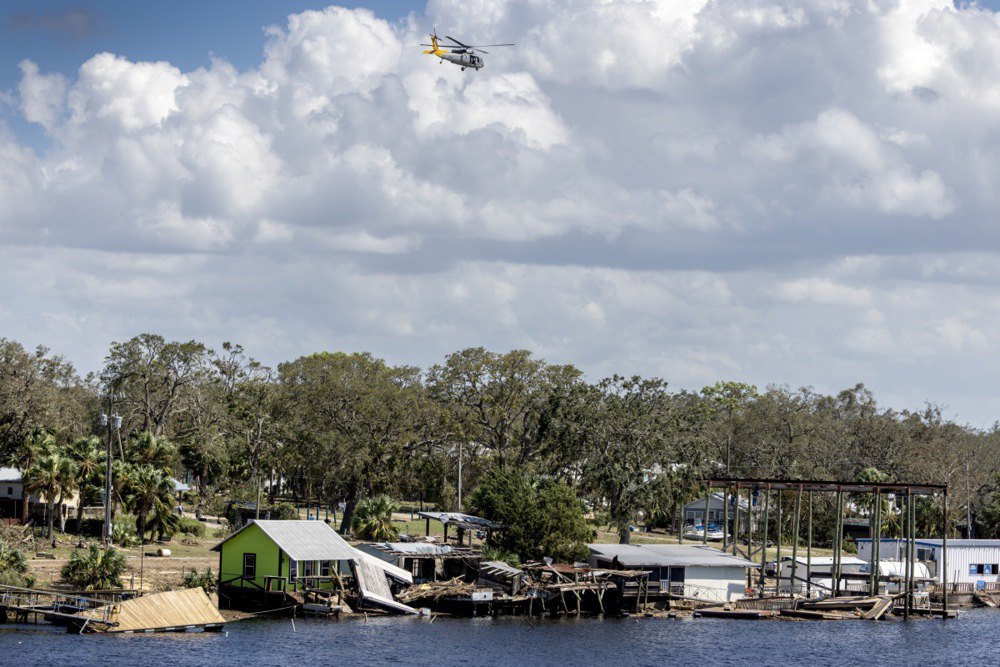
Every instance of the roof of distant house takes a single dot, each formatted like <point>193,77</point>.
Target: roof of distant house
<point>460,519</point>
<point>668,555</point>
<point>10,475</point>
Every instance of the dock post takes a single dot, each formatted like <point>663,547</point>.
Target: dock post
<point>944,559</point>
<point>911,549</point>
<point>795,542</point>
<point>904,525</point>
<point>736,518</point>
<point>763,543</point>
<point>777,557</point>
<point>749,523</point>
<point>873,565</point>
<point>809,548</point>
<point>838,542</point>
<point>704,519</point>
<point>725,518</point>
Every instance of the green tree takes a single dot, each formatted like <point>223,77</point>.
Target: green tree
<point>149,489</point>
<point>625,433</point>
<point>501,401</point>
<point>373,520</point>
<point>355,414</point>
<point>94,569</point>
<point>538,518</point>
<point>88,457</point>
<point>52,476</point>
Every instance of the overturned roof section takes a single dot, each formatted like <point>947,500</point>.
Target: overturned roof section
<point>461,520</point>
<point>315,540</point>
<point>667,555</point>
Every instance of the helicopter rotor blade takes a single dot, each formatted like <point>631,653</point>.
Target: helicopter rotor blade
<point>480,51</point>
<point>456,41</point>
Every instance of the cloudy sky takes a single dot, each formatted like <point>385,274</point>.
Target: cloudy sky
<point>800,192</point>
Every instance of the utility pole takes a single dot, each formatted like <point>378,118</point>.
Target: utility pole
<point>112,423</point>
<point>459,508</point>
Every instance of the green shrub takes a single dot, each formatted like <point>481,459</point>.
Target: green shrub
<point>190,526</point>
<point>373,520</point>
<point>284,511</point>
<point>123,531</point>
<point>14,567</point>
<point>205,580</point>
<point>502,555</point>
<point>94,568</point>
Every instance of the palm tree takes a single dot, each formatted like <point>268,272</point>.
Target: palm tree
<point>373,519</point>
<point>147,449</point>
<point>35,445</point>
<point>95,569</point>
<point>148,488</point>
<point>51,476</point>
<point>86,453</point>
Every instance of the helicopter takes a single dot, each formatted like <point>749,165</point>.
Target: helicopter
<point>457,53</point>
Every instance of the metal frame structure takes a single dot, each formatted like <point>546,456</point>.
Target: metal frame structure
<point>906,491</point>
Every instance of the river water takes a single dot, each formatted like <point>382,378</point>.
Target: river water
<point>969,640</point>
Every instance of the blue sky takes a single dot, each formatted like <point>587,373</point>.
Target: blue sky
<point>796,192</point>
<point>60,35</point>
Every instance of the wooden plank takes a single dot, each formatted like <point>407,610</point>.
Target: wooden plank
<point>163,611</point>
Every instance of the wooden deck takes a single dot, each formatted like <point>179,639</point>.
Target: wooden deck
<point>172,611</point>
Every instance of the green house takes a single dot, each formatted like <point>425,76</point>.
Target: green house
<point>291,555</point>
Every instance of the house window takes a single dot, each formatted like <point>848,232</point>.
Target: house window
<point>249,566</point>
<point>10,490</point>
<point>293,569</point>
<point>324,568</point>
<point>309,568</point>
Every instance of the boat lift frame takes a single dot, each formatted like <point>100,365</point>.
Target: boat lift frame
<point>907,491</point>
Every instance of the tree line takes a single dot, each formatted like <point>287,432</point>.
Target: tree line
<point>336,427</point>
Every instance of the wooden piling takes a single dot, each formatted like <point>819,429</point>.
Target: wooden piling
<point>838,542</point>
<point>777,556</point>
<point>704,519</point>
<point>725,517</point>
<point>736,518</point>
<point>809,548</point>
<point>944,559</point>
<point>763,544</point>
<point>795,542</point>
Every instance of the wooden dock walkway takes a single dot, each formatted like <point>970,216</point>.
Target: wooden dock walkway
<point>171,611</point>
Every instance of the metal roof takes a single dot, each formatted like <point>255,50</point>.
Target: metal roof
<point>179,486</point>
<point>10,475</point>
<point>316,540</point>
<point>668,555</point>
<point>416,548</point>
<point>936,542</point>
<point>458,518</point>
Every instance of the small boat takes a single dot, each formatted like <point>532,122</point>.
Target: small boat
<point>715,533</point>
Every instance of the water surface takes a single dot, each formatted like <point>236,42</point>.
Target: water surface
<point>968,640</point>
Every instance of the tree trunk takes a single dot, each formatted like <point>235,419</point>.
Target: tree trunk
<point>624,534</point>
<point>350,503</point>
<point>79,515</point>
<point>50,507</point>
<point>141,521</point>
<point>62,515</point>
<point>24,505</point>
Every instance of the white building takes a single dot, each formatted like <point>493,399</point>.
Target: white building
<point>854,575</point>
<point>969,561</point>
<point>12,497</point>
<point>695,571</point>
